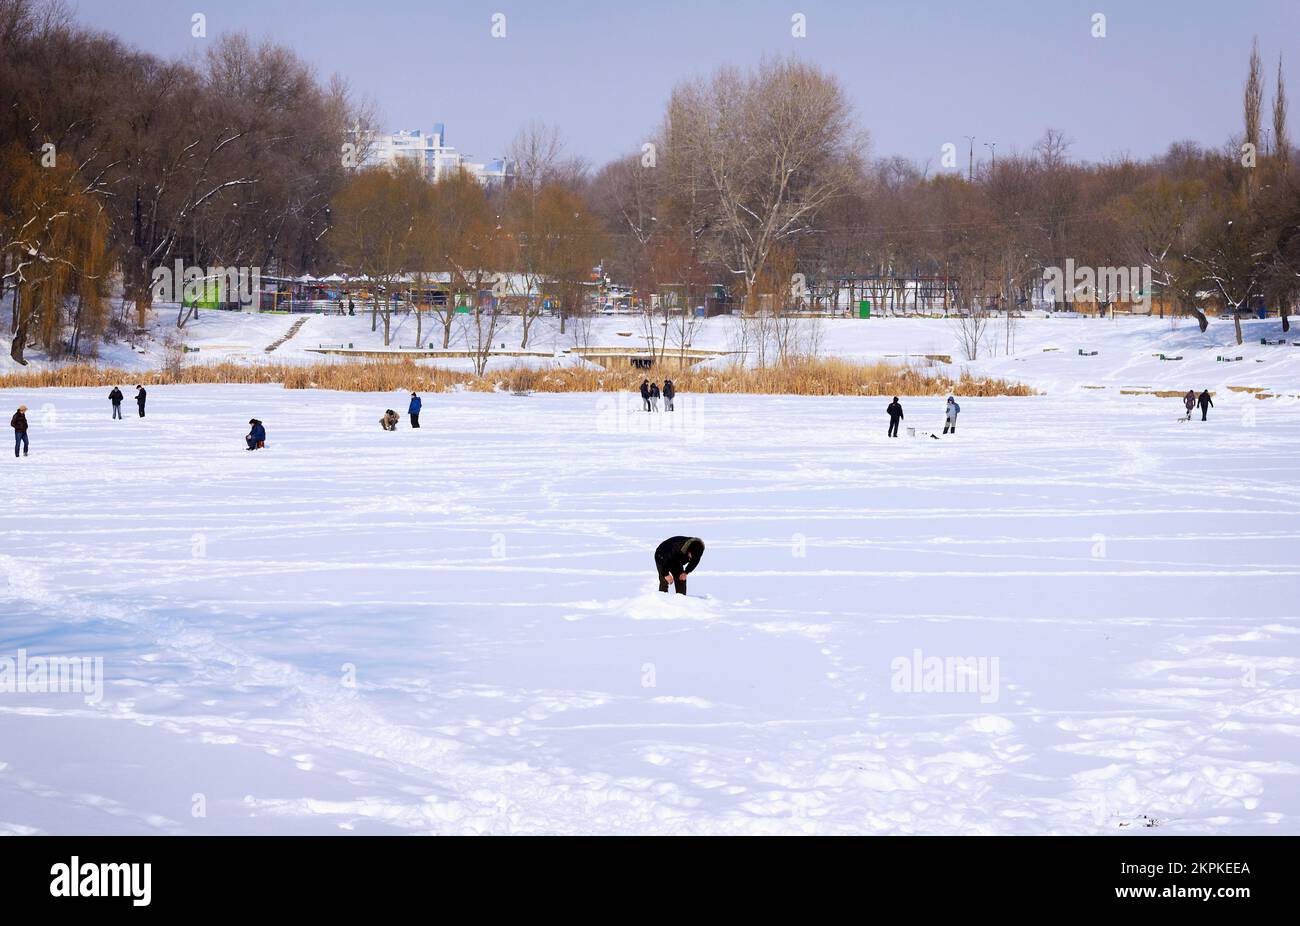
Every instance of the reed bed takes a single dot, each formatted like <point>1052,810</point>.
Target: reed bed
<point>811,377</point>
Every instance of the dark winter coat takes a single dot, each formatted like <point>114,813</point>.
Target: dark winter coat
<point>645,389</point>
<point>1205,400</point>
<point>139,396</point>
<point>671,555</point>
<point>895,411</point>
<point>19,422</point>
<point>414,407</point>
<point>1189,400</point>
<point>669,391</point>
<point>115,396</point>
<point>258,433</point>
<point>654,390</point>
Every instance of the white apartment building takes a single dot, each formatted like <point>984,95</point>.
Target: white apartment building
<point>434,156</point>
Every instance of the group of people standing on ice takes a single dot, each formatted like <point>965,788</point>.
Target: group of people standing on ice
<point>895,411</point>
<point>115,399</point>
<point>1191,400</point>
<point>650,395</point>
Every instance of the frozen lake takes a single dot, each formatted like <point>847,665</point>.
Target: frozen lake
<point>456,629</point>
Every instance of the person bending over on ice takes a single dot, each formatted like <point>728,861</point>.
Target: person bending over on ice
<point>256,437</point>
<point>1206,403</point>
<point>645,393</point>
<point>895,416</point>
<point>19,423</point>
<point>1189,403</point>
<point>414,410</point>
<point>389,421</point>
<point>950,416</point>
<point>115,397</point>
<point>675,559</point>
<point>669,392</point>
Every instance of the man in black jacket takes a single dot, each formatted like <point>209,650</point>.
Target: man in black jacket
<point>895,416</point>
<point>139,399</point>
<point>19,423</point>
<point>669,392</point>
<point>645,393</point>
<point>1206,403</point>
<point>675,559</point>
<point>115,397</point>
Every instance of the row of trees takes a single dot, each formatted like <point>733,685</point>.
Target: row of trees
<point>759,181</point>
<point>491,247</point>
<point>119,160</point>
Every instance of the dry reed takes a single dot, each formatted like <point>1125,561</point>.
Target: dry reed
<point>812,377</point>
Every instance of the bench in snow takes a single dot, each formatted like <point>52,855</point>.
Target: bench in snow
<point>1165,357</point>
<point>1087,353</point>
<point>334,346</point>
<point>1222,359</point>
<point>1280,342</point>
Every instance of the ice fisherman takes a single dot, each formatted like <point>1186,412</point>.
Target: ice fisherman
<point>19,423</point>
<point>115,397</point>
<point>256,436</point>
<point>414,410</point>
<point>389,421</point>
<point>675,559</point>
<point>895,412</point>
<point>950,416</point>
<point>139,399</point>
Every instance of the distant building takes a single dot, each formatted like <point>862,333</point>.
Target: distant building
<point>434,156</point>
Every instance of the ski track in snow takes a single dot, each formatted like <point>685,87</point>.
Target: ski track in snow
<point>486,580</point>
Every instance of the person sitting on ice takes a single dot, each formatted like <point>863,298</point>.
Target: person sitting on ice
<point>950,416</point>
<point>256,436</point>
<point>389,421</point>
<point>675,559</point>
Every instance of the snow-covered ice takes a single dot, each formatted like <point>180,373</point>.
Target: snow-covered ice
<point>456,629</point>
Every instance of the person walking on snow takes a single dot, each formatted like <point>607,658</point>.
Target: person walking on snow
<point>139,399</point>
<point>1206,403</point>
<point>1189,402</point>
<point>389,421</point>
<point>654,396</point>
<point>950,416</point>
<point>645,393</point>
<point>19,423</point>
<point>414,410</point>
<point>256,436</point>
<point>116,398</point>
<point>669,392</point>
<point>895,416</point>
<point>675,559</point>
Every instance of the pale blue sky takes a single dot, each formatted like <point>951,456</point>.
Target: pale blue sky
<point>919,72</point>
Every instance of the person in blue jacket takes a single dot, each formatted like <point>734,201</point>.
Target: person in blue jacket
<point>256,436</point>
<point>414,410</point>
<point>950,416</point>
